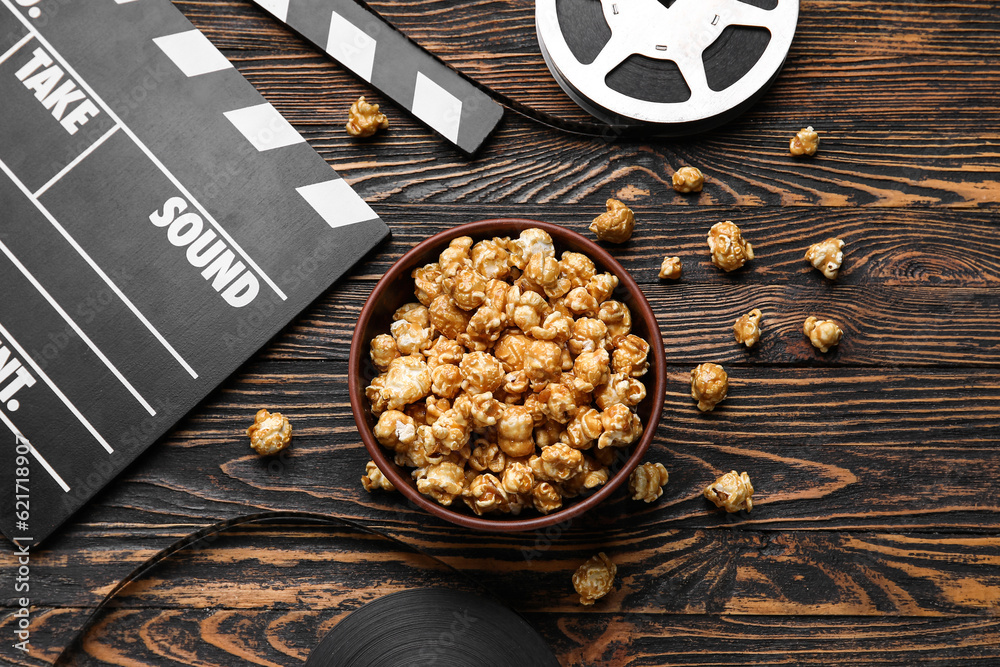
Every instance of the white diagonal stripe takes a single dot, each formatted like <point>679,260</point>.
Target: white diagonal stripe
<point>278,8</point>
<point>192,53</point>
<point>264,127</point>
<point>351,46</point>
<point>437,107</point>
<point>337,203</point>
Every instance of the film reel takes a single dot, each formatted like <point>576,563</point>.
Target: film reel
<point>675,66</point>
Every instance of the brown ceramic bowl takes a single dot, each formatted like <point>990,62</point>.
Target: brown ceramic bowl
<point>396,289</point>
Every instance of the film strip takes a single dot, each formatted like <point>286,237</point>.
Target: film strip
<point>162,221</point>
<point>364,43</point>
<point>411,628</point>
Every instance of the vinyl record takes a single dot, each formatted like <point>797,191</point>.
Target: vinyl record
<point>432,627</point>
<point>675,66</point>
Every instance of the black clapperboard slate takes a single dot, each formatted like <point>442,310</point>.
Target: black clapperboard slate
<point>159,222</point>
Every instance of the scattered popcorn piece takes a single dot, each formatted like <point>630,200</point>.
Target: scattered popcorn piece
<point>823,334</point>
<point>688,179</point>
<point>616,224</point>
<point>729,250</point>
<point>670,269</point>
<point>646,482</point>
<point>595,578</point>
<point>709,385</point>
<point>269,433</point>
<point>732,492</point>
<point>374,480</point>
<point>747,328</point>
<point>364,119</point>
<point>805,142</point>
<point>827,256</point>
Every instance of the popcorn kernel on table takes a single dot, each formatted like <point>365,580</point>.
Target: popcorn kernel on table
<point>732,492</point>
<point>729,249</point>
<point>647,480</point>
<point>670,269</point>
<point>709,385</point>
<point>374,480</point>
<point>269,433</point>
<point>614,225</point>
<point>688,179</point>
<point>827,256</point>
<point>823,334</point>
<point>746,330</point>
<point>595,578</point>
<point>805,142</point>
<point>364,119</point>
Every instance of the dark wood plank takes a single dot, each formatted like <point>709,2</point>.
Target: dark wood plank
<point>270,592</point>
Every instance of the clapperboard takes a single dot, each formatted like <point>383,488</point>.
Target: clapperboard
<point>159,222</point>
<point>364,43</point>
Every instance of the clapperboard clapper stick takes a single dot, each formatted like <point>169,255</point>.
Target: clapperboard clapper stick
<point>161,222</point>
<point>364,43</point>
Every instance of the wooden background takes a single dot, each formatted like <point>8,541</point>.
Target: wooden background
<point>874,537</point>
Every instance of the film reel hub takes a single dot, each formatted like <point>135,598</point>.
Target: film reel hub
<point>682,66</point>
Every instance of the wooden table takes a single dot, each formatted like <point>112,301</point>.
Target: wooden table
<point>874,533</point>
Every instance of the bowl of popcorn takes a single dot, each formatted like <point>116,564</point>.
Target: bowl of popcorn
<point>506,375</point>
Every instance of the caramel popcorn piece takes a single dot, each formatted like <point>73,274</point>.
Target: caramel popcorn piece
<point>428,280</point>
<point>670,269</point>
<point>442,481</point>
<point>732,492</point>
<point>557,463</point>
<point>621,427</point>
<point>374,480</point>
<point>585,427</point>
<point>646,482</point>
<point>709,385</point>
<point>364,119</point>
<point>729,250</point>
<point>577,268</point>
<point>269,433</point>
<point>616,317</point>
<point>546,498</point>
<point>620,389</point>
<point>823,334</point>
<point>805,142</point>
<point>630,356</point>
<point>601,287</point>
<point>616,224</point>
<point>514,432</point>
<point>395,430</point>
<point>383,351</point>
<point>486,494</point>
<point>518,478</point>
<point>594,579</point>
<point>530,242</point>
<point>410,338</point>
<point>827,256</point>
<point>487,455</point>
<point>408,380</point>
<point>447,318</point>
<point>491,259</point>
<point>746,330</point>
<point>688,179</point>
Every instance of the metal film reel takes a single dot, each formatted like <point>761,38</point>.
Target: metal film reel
<point>676,66</point>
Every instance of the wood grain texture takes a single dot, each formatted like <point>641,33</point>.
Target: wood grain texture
<point>874,534</point>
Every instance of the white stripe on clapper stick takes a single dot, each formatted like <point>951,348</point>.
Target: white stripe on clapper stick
<point>34,452</point>
<point>149,154</point>
<point>79,332</point>
<point>55,390</point>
